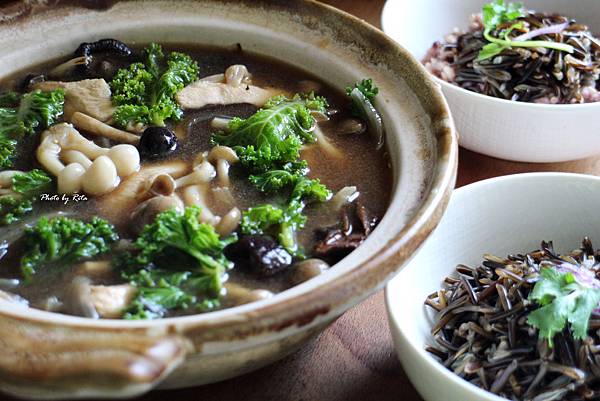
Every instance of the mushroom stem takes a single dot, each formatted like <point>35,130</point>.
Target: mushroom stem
<point>195,195</point>
<point>63,69</point>
<point>75,156</point>
<point>202,174</point>
<point>98,128</point>
<point>229,223</point>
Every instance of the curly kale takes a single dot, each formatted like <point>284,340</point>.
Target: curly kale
<point>145,92</point>
<point>21,115</point>
<point>26,189</point>
<point>63,241</point>
<point>179,263</point>
<point>273,135</point>
<point>283,222</point>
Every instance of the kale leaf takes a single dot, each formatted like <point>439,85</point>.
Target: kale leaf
<point>273,136</point>
<point>21,115</point>
<point>26,187</point>
<point>561,300</point>
<point>179,262</point>
<point>64,241</point>
<point>283,222</point>
<point>145,92</point>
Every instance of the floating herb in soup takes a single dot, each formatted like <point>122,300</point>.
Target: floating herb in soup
<point>142,183</point>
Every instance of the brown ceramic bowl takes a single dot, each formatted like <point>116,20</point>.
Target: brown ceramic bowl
<point>46,355</point>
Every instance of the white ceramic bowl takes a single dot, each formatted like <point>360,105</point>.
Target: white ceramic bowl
<point>496,127</point>
<point>47,355</point>
<point>500,216</point>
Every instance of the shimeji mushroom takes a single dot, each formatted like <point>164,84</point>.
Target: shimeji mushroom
<point>89,167</point>
<point>222,157</point>
<point>96,127</point>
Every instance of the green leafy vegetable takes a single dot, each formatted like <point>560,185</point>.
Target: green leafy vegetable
<point>179,263</point>
<point>499,13</point>
<point>562,299</point>
<point>64,241</point>
<point>284,222</point>
<point>26,187</point>
<point>273,136</point>
<point>13,209</point>
<point>362,95</point>
<point>145,92</point>
<point>32,183</point>
<point>8,147</point>
<point>21,115</point>
<point>36,110</point>
<point>366,87</point>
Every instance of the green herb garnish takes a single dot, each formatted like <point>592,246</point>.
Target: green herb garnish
<point>562,300</point>
<point>498,13</point>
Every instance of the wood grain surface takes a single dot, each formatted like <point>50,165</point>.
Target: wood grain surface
<point>353,360</point>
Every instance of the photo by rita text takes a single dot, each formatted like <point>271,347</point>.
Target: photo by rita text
<point>64,198</point>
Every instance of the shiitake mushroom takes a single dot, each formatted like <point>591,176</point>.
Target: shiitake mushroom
<point>259,254</point>
<point>157,142</point>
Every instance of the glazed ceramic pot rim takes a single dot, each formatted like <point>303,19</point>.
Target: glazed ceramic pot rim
<point>386,20</point>
<point>394,310</point>
<point>317,292</point>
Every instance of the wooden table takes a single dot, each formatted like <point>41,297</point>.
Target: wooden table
<point>354,358</point>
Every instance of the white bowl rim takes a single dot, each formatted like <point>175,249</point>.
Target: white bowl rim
<point>386,16</point>
<point>393,311</point>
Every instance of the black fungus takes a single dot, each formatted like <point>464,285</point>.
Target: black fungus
<point>98,65</point>
<point>157,142</point>
<point>103,46</point>
<point>259,254</point>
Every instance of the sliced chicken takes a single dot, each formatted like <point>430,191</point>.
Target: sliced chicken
<point>90,96</point>
<point>232,87</point>
<point>202,93</point>
<point>111,300</point>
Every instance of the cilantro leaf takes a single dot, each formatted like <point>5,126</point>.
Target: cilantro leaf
<point>561,300</point>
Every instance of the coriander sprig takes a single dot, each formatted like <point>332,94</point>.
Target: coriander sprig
<point>562,300</point>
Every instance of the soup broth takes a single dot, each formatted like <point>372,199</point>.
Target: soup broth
<point>344,157</point>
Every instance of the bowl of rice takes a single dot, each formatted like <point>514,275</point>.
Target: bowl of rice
<point>522,80</point>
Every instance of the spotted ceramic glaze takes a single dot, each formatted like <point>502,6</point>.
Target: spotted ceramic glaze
<point>45,355</point>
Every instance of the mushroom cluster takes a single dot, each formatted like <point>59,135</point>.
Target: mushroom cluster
<point>81,165</point>
<point>163,190</point>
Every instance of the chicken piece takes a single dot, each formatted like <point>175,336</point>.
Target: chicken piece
<point>203,93</point>
<point>90,96</point>
<point>111,300</point>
